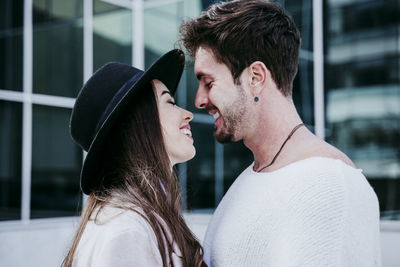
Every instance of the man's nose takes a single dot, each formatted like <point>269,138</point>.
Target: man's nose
<point>201,99</point>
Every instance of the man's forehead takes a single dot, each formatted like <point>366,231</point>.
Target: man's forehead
<point>204,60</point>
<point>203,52</point>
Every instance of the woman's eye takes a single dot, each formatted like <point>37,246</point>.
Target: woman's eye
<point>209,85</point>
<point>172,102</point>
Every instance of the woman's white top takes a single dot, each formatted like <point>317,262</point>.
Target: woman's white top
<point>119,238</point>
<point>315,212</point>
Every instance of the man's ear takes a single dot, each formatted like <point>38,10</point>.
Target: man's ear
<point>259,77</point>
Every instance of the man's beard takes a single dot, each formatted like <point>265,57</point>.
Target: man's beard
<point>232,120</point>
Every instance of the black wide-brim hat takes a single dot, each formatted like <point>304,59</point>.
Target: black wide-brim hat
<point>105,96</point>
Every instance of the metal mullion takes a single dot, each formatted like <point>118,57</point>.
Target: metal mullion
<point>27,113</point>
<point>14,96</point>
<point>182,100</point>
<point>318,42</point>
<point>84,196</point>
<point>87,39</point>
<point>137,34</point>
<point>219,172</point>
<point>39,99</point>
<point>182,168</point>
<point>87,56</point>
<point>53,101</point>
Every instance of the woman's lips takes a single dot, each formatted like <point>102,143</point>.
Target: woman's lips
<point>186,131</point>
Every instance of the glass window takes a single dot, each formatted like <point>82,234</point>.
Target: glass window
<point>192,85</point>
<point>363,92</point>
<point>56,164</point>
<point>237,158</point>
<point>301,12</point>
<point>57,47</point>
<point>303,91</point>
<point>303,85</point>
<point>112,34</point>
<point>11,30</point>
<point>10,160</point>
<point>201,169</point>
<point>161,24</point>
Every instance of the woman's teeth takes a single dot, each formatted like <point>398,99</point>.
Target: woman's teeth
<point>186,132</point>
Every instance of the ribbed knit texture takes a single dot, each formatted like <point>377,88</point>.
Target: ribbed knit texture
<point>120,238</point>
<point>315,212</point>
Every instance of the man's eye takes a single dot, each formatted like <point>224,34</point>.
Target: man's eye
<point>208,85</point>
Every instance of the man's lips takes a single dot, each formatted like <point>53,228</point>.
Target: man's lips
<point>215,113</point>
<point>217,117</point>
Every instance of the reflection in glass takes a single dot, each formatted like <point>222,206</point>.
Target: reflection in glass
<point>10,160</point>
<point>191,89</point>
<point>112,34</point>
<point>303,92</point>
<point>363,92</point>
<point>303,85</point>
<point>57,47</point>
<point>56,163</point>
<point>161,26</point>
<point>200,170</point>
<point>237,158</point>
<point>11,22</point>
<point>301,12</point>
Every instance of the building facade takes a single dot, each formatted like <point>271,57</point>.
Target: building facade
<point>347,91</point>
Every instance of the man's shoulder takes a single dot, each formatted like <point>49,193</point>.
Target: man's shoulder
<point>324,176</point>
<point>316,147</point>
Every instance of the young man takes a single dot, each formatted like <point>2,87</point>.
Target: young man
<point>302,202</point>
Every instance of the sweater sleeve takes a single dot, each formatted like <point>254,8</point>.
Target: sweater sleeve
<point>312,228</point>
<point>131,248</point>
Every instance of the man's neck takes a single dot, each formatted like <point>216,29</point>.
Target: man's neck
<point>276,119</point>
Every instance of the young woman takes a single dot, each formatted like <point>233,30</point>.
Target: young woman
<point>134,133</point>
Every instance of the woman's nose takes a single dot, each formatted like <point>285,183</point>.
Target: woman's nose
<point>188,115</point>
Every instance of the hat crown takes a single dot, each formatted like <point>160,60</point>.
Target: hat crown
<point>94,98</point>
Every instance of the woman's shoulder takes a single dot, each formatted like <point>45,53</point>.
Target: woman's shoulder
<point>119,236</point>
<point>119,220</point>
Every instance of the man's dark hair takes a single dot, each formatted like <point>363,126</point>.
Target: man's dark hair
<point>243,31</point>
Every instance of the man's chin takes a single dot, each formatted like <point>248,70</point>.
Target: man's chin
<point>224,138</point>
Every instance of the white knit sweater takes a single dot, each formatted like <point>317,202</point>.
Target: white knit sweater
<point>315,212</point>
<point>120,238</point>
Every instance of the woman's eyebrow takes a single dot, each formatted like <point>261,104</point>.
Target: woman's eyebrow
<point>166,92</point>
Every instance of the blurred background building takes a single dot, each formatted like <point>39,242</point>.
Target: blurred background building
<point>347,90</point>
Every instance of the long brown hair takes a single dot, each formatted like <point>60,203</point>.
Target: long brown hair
<point>243,31</point>
<point>136,173</point>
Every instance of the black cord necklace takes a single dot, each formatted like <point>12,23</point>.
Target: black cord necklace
<point>284,143</point>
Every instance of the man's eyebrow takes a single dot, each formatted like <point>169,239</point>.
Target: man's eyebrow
<point>200,75</point>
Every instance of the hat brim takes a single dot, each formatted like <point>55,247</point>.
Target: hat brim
<point>168,69</point>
